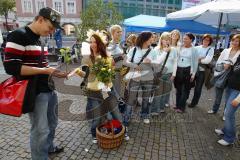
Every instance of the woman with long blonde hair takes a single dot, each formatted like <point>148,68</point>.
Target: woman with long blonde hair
<point>164,53</point>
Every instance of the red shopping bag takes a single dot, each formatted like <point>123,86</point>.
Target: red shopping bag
<point>12,93</point>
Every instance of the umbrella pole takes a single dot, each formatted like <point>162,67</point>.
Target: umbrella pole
<point>218,31</point>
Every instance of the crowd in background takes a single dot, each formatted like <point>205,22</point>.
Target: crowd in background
<point>156,63</point>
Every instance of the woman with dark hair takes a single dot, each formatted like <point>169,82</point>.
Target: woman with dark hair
<point>186,70</point>
<point>205,56</point>
<point>140,75</point>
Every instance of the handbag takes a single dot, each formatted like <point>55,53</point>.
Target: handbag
<point>12,93</point>
<point>14,98</point>
<point>221,80</point>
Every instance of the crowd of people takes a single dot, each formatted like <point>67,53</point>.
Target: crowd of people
<point>180,63</point>
<point>146,68</point>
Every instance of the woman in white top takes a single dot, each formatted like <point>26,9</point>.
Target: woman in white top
<point>225,61</point>
<point>117,53</point>
<point>142,75</point>
<point>205,56</point>
<point>186,70</point>
<point>163,51</point>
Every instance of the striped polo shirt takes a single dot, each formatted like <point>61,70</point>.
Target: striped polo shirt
<point>23,47</point>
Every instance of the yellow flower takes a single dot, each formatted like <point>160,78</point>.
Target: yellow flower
<point>103,69</point>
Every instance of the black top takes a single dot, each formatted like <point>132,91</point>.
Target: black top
<point>24,48</point>
<point>234,79</point>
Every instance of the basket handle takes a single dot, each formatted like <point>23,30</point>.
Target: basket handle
<point>112,129</point>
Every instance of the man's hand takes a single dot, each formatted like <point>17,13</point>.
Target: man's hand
<point>60,74</point>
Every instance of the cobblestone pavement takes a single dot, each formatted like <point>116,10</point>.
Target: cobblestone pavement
<point>169,136</point>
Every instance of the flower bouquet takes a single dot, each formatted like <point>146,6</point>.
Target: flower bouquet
<point>104,72</point>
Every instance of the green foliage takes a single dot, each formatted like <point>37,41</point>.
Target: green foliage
<point>98,16</point>
<point>103,70</point>
<point>65,53</point>
<point>5,7</point>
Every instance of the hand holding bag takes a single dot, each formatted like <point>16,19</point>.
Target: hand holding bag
<point>14,100</point>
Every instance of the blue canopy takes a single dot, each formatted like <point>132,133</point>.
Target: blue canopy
<point>159,24</point>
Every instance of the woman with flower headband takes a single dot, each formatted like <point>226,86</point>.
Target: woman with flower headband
<point>94,88</point>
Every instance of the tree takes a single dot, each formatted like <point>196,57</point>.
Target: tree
<point>5,7</point>
<point>98,16</point>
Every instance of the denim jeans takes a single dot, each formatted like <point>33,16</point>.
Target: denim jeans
<point>229,129</point>
<point>95,117</point>
<point>134,87</point>
<point>200,76</point>
<point>44,120</point>
<point>218,99</point>
<point>161,99</point>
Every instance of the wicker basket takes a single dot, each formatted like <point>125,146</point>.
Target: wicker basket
<point>110,141</point>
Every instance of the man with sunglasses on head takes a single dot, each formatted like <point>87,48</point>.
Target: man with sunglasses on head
<point>26,57</point>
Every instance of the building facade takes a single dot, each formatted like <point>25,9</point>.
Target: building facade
<point>130,8</point>
<point>70,9</point>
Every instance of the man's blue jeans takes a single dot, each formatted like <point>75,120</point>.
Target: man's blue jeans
<point>44,120</point>
<point>229,129</point>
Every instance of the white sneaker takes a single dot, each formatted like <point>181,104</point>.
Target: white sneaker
<point>223,118</point>
<point>146,121</point>
<point>167,105</point>
<point>126,137</point>
<point>211,112</point>
<point>223,142</point>
<point>219,132</point>
<point>94,141</point>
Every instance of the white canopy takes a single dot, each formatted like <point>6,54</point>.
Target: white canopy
<point>209,13</point>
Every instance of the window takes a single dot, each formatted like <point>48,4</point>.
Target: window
<point>71,6</point>
<point>27,6</point>
<point>148,6</point>
<point>170,1</point>
<point>156,1</point>
<point>132,5</point>
<point>58,5</point>
<point>40,4</point>
<point>163,1</point>
<point>124,4</point>
<point>177,2</point>
<point>149,0</point>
